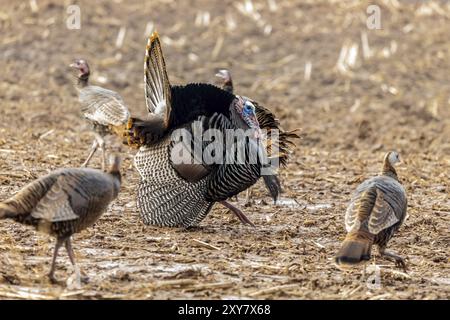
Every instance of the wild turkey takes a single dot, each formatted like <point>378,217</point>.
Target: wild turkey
<point>267,121</point>
<point>177,194</point>
<point>64,202</point>
<point>375,213</point>
<point>103,108</point>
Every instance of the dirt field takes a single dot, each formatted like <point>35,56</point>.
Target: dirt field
<point>395,96</point>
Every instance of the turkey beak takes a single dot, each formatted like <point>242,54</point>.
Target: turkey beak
<point>73,65</point>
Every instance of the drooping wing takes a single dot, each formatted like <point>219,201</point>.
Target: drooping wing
<point>186,162</point>
<point>103,106</point>
<point>156,81</point>
<point>187,153</point>
<point>163,197</point>
<point>55,205</point>
<point>195,157</point>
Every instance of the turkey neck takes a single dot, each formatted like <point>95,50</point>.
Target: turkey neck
<point>83,80</point>
<point>117,179</point>
<point>389,170</point>
<point>228,86</point>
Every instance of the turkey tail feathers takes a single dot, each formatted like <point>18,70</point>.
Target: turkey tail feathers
<point>6,211</point>
<point>355,249</point>
<point>144,132</point>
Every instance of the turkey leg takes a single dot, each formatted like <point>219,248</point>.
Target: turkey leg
<point>399,261</point>
<point>91,153</point>
<point>237,212</point>
<point>102,148</point>
<point>248,194</point>
<point>51,274</point>
<point>99,143</point>
<point>78,276</point>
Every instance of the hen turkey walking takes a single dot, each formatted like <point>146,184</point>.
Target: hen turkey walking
<point>172,193</point>
<point>103,108</point>
<point>376,211</point>
<point>64,202</point>
<point>282,144</point>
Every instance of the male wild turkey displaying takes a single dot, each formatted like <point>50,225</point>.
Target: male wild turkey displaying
<point>64,202</point>
<point>267,121</point>
<point>375,213</point>
<point>103,108</point>
<point>180,194</point>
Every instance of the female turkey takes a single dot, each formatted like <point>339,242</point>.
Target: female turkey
<point>283,142</point>
<point>227,81</point>
<point>171,193</point>
<point>103,108</point>
<point>64,202</point>
<point>375,213</point>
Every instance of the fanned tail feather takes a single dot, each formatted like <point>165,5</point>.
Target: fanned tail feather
<point>157,85</point>
<point>143,132</point>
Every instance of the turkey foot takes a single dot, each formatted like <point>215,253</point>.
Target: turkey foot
<point>399,261</point>
<point>55,281</point>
